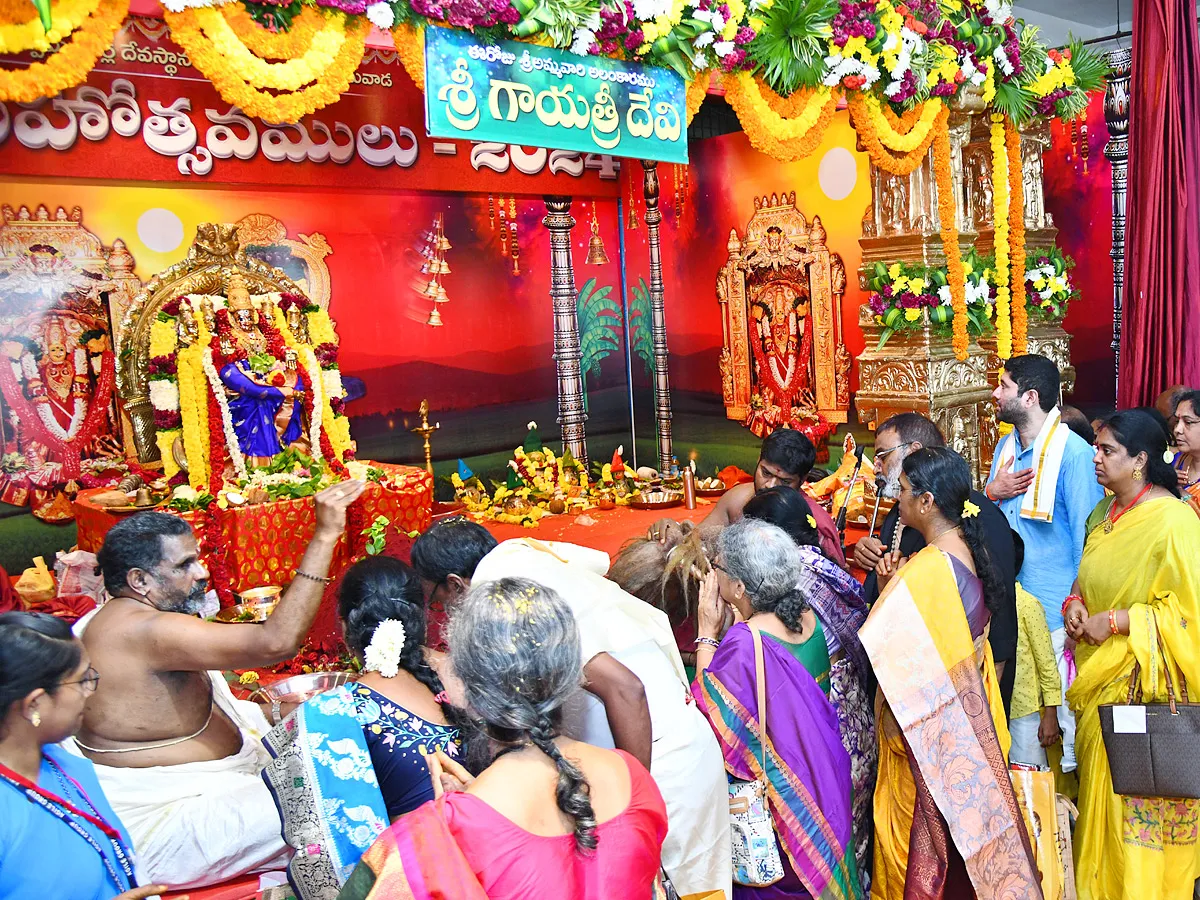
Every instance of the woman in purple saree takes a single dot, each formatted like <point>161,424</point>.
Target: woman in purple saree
<point>806,767</point>
<point>837,599</point>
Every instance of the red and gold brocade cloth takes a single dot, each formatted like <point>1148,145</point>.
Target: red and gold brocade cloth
<point>265,542</point>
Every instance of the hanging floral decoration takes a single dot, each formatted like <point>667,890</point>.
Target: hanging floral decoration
<point>948,225</point>
<point>410,45</point>
<point>27,31</point>
<point>908,296</point>
<point>786,129</point>
<point>83,38</point>
<point>1000,212</point>
<point>914,130</point>
<point>1016,238</point>
<point>1049,284</point>
<point>308,76</point>
<point>697,89</point>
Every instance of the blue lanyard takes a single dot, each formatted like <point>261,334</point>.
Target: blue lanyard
<point>48,803</point>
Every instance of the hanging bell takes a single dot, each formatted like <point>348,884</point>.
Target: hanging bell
<point>435,317</point>
<point>596,255</point>
<point>442,296</point>
<point>431,289</point>
<point>443,267</point>
<point>430,266</point>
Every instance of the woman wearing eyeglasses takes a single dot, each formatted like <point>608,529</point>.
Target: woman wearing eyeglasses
<point>1187,442</point>
<point>58,835</point>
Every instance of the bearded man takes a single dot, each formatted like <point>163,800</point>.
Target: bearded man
<point>895,439</point>
<point>178,757</point>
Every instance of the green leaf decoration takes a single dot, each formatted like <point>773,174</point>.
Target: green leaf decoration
<point>792,44</point>
<point>883,337</point>
<point>1014,101</point>
<point>43,10</point>
<point>279,18</point>
<point>599,327</point>
<point>1091,71</point>
<point>641,343</point>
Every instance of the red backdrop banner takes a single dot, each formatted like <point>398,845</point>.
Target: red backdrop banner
<point>146,115</point>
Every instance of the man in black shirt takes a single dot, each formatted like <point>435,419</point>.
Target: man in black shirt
<point>894,440</point>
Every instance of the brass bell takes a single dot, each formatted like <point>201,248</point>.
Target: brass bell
<point>435,317</point>
<point>596,254</point>
<point>431,289</point>
<point>443,267</point>
<point>442,296</point>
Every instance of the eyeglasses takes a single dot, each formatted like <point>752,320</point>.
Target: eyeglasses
<point>1188,421</point>
<point>752,590</point>
<point>883,454</point>
<point>90,681</point>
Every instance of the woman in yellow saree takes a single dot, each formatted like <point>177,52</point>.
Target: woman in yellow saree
<point>947,824</point>
<point>1139,576</point>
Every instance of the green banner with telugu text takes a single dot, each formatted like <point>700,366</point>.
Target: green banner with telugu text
<point>534,96</point>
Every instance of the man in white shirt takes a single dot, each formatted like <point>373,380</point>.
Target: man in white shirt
<point>635,694</point>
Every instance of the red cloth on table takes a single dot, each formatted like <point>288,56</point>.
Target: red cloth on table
<point>8,595</point>
<point>264,543</point>
<point>1162,277</point>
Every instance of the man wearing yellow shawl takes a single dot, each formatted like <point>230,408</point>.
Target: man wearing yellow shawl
<point>1138,582</point>
<point>947,822</point>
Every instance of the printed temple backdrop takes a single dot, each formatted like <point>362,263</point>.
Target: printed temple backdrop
<point>488,370</point>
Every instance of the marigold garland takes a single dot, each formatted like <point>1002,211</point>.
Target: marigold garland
<point>949,231</point>
<point>697,89</point>
<point>1000,211</point>
<point>903,164</point>
<point>289,75</point>
<point>269,44</point>
<point>786,129</point>
<point>916,124</point>
<point>410,45</point>
<point>193,407</point>
<point>1016,239</point>
<point>71,65</point>
<point>25,32</point>
<point>281,108</point>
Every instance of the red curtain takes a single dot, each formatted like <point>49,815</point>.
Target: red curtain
<point>1160,339</point>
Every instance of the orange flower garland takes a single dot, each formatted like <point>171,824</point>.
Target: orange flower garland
<point>72,64</point>
<point>697,89</point>
<point>881,156</point>
<point>949,230</point>
<point>1016,239</point>
<point>784,128</point>
<point>274,44</point>
<point>281,107</point>
<point>410,44</point>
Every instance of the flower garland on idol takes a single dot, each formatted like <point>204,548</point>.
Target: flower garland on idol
<point>955,274</point>
<point>90,29</point>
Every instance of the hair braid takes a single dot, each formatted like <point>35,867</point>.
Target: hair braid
<point>573,793</point>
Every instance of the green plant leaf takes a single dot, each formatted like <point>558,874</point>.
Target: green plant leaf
<point>883,337</point>
<point>792,44</point>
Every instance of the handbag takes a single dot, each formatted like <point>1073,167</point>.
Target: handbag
<point>1151,746</point>
<point>756,860</point>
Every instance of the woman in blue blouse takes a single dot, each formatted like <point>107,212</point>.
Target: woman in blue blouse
<point>58,835</point>
<point>350,761</point>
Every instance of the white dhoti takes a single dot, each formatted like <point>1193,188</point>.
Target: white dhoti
<point>686,761</point>
<point>201,823</point>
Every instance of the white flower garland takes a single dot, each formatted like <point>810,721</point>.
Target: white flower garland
<point>164,395</point>
<point>332,382</point>
<point>218,389</point>
<point>387,644</point>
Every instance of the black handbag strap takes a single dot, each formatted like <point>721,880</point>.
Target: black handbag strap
<point>1135,680</point>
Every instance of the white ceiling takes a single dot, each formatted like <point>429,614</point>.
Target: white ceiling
<point>1086,19</point>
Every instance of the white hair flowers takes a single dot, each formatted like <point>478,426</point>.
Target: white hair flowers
<point>383,653</point>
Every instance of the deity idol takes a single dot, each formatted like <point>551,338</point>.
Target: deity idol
<point>57,369</point>
<point>265,393</point>
<point>783,344</point>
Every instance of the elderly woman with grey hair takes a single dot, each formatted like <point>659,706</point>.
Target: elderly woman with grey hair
<point>547,810</point>
<point>762,683</point>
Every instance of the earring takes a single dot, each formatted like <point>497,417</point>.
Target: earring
<point>35,719</point>
<point>1137,473</point>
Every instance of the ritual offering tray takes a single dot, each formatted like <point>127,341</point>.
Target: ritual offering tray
<point>710,487</point>
<point>300,688</point>
<point>655,499</point>
<point>257,604</point>
<point>118,501</point>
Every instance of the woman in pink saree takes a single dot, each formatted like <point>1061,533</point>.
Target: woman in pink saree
<point>548,814</point>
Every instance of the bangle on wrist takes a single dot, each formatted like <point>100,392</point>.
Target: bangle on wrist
<point>709,642</point>
<point>987,492</point>
<point>1112,622</point>
<point>1073,598</point>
